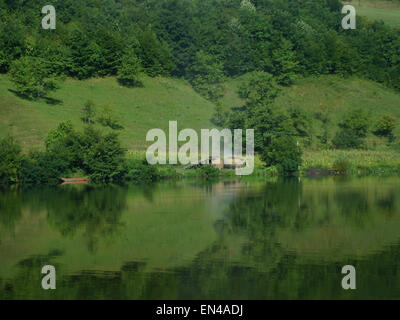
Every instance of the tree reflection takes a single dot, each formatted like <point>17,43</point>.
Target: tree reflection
<point>10,209</point>
<point>94,209</point>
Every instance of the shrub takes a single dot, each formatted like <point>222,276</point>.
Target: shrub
<point>31,77</point>
<point>140,171</point>
<point>353,129</point>
<point>101,156</point>
<point>42,168</point>
<point>357,121</point>
<point>10,160</point>
<point>260,87</point>
<point>206,76</point>
<point>128,72</point>
<point>92,152</point>
<point>284,153</point>
<point>107,118</point>
<point>208,172</point>
<point>341,165</point>
<point>88,112</point>
<point>384,127</point>
<point>347,139</point>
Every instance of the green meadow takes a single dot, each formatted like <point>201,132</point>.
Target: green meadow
<point>137,109</point>
<point>161,100</point>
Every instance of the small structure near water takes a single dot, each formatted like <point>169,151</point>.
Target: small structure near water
<point>231,163</point>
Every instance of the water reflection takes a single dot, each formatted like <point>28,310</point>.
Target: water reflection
<point>240,239</point>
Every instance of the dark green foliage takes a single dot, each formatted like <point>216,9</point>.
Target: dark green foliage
<point>101,155</point>
<point>259,91</point>
<point>260,87</point>
<point>67,151</point>
<point>31,77</point>
<point>269,124</point>
<point>62,131</point>
<point>156,57</point>
<point>88,112</point>
<point>284,153</point>
<point>206,76</point>
<point>10,160</point>
<point>347,139</point>
<point>43,168</point>
<point>384,127</point>
<point>129,71</point>
<point>286,38</point>
<point>284,63</point>
<point>357,121</point>
<point>107,118</point>
<point>353,130</point>
<point>220,116</point>
<point>208,172</point>
<point>140,171</point>
<point>301,122</point>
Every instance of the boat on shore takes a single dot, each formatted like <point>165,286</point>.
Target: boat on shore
<point>74,180</point>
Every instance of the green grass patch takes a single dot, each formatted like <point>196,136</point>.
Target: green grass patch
<point>361,162</point>
<point>138,109</point>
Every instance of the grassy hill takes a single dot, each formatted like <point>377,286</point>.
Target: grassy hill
<point>387,11</point>
<point>334,95</point>
<point>161,100</point>
<point>139,109</point>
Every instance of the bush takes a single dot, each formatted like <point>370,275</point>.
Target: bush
<point>353,130</point>
<point>31,77</point>
<point>140,171</point>
<point>206,76</point>
<point>10,160</point>
<point>101,156</point>
<point>384,127</point>
<point>88,112</point>
<point>208,172</point>
<point>358,121</point>
<point>341,165</point>
<point>128,72</point>
<point>260,87</point>
<point>107,118</point>
<point>284,153</point>
<point>43,168</point>
<point>347,139</point>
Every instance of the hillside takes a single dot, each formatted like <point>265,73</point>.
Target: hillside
<point>139,109</point>
<point>162,99</point>
<point>334,95</point>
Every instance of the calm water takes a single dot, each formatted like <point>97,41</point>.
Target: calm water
<point>239,239</point>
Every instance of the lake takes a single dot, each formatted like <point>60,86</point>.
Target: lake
<point>226,239</point>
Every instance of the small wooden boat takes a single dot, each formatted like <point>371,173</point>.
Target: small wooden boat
<point>74,180</point>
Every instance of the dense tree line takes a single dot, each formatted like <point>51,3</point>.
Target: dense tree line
<point>68,152</point>
<point>177,37</point>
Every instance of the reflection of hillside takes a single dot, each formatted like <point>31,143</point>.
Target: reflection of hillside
<point>318,220</point>
<point>240,240</point>
<point>101,228</point>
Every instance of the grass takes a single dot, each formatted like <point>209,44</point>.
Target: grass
<point>162,100</point>
<point>139,109</point>
<point>357,161</point>
<point>387,11</point>
<point>334,95</point>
